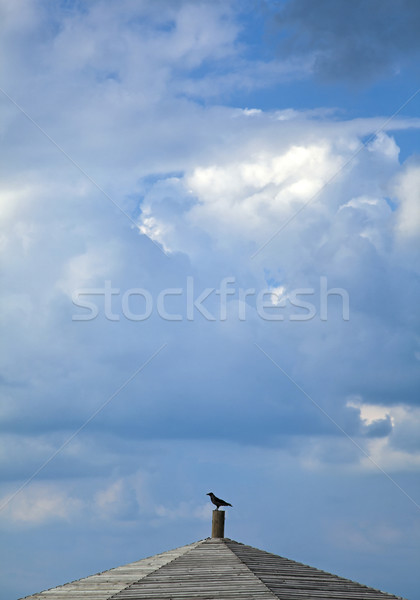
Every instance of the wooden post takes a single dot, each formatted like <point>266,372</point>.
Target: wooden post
<point>218,524</point>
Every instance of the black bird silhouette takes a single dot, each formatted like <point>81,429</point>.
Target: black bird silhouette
<point>217,501</point>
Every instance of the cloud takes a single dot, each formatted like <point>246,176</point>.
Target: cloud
<point>244,197</point>
<point>120,500</point>
<point>212,217</point>
<point>406,190</point>
<point>41,503</point>
<point>351,42</point>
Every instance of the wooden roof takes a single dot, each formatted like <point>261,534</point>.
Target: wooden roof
<point>215,568</point>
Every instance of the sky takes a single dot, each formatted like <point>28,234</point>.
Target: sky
<point>209,216</point>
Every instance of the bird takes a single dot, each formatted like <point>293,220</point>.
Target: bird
<point>217,501</point>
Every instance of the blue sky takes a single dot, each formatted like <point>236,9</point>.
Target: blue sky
<point>170,149</point>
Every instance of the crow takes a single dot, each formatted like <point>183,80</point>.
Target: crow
<point>217,501</point>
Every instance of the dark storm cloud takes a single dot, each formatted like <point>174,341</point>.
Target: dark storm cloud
<point>352,42</point>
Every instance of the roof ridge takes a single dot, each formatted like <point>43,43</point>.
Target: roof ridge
<point>224,540</point>
<point>211,566</point>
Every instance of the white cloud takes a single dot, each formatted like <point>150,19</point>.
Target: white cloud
<point>390,458</point>
<point>117,501</point>
<point>40,503</point>
<point>246,197</point>
<point>259,182</point>
<point>111,495</point>
<point>384,144</point>
<point>406,189</point>
<point>369,412</point>
<point>239,199</point>
<point>388,451</point>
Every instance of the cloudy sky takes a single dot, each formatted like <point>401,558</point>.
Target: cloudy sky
<point>210,278</point>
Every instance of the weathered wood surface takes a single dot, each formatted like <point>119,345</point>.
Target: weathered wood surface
<point>210,571</point>
<point>103,586</point>
<point>214,569</point>
<point>290,580</point>
<point>218,524</point>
